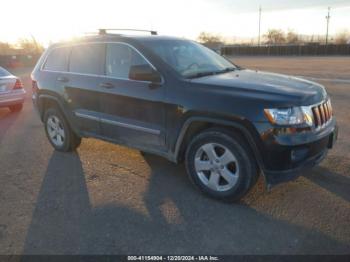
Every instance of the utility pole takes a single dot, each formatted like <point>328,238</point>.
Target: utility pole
<point>327,17</point>
<point>259,25</point>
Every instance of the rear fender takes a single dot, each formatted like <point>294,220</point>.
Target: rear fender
<point>42,100</point>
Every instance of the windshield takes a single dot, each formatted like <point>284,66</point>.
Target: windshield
<point>190,59</point>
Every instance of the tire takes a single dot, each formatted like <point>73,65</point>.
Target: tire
<point>221,165</point>
<point>57,126</point>
<point>16,108</point>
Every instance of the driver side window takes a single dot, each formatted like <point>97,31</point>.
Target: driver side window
<point>119,59</point>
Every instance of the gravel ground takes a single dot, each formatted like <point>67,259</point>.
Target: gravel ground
<point>108,199</point>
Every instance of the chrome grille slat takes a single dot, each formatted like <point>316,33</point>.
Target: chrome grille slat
<point>330,108</point>
<point>325,112</point>
<point>322,114</point>
<point>317,118</point>
<point>325,108</point>
<point>323,118</point>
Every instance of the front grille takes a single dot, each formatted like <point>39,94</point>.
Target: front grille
<point>322,113</point>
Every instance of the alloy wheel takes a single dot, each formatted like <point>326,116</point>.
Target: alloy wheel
<point>55,130</point>
<point>216,166</point>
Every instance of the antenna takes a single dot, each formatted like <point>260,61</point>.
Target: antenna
<point>103,31</point>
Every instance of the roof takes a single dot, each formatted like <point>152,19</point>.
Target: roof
<point>116,37</point>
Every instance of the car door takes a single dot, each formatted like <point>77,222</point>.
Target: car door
<point>133,111</point>
<point>82,85</point>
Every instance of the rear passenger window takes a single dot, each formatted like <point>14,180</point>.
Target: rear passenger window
<point>88,59</point>
<point>58,59</point>
<point>120,58</point>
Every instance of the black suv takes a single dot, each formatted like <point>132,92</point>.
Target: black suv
<point>180,100</point>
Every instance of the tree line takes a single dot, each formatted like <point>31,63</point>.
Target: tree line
<point>24,46</point>
<point>277,37</point>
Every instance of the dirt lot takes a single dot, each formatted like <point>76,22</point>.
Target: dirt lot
<point>107,199</point>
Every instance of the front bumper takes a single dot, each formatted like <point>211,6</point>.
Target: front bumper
<point>13,97</point>
<point>288,153</point>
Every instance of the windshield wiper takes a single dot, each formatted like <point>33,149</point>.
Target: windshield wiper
<point>201,74</point>
<point>209,73</point>
<point>227,69</point>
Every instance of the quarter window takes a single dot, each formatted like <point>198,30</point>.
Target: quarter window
<point>120,58</point>
<point>87,59</point>
<point>58,59</point>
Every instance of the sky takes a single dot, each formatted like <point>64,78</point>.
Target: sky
<point>53,20</point>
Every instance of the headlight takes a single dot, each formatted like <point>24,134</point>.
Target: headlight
<point>290,116</point>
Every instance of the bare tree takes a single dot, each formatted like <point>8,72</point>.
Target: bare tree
<point>292,37</point>
<point>342,37</point>
<point>30,45</point>
<point>5,48</point>
<point>208,38</point>
<point>275,36</point>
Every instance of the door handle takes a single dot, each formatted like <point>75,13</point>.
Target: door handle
<point>62,79</point>
<point>107,85</point>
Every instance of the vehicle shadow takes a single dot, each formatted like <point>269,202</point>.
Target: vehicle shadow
<point>62,206</point>
<point>7,118</point>
<point>179,221</point>
<point>336,183</point>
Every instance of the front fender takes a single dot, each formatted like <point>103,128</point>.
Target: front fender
<point>244,130</point>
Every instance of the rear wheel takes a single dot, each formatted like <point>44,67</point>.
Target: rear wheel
<point>16,108</point>
<point>58,131</point>
<point>220,164</point>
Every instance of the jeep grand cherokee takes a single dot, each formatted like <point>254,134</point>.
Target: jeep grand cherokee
<point>178,99</point>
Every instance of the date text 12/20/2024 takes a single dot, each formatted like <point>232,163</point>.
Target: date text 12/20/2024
<point>173,258</point>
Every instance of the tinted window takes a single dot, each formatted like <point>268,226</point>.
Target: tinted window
<point>58,59</point>
<point>120,58</point>
<point>3,72</point>
<point>88,59</point>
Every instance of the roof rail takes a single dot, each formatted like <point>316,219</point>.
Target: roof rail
<point>103,31</point>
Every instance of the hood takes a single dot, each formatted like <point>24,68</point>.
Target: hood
<point>268,86</point>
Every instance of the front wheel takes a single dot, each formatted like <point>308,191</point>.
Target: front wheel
<point>58,131</point>
<point>220,164</point>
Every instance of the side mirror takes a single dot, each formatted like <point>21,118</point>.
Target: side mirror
<point>144,73</point>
